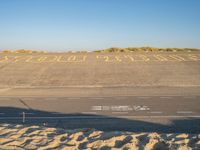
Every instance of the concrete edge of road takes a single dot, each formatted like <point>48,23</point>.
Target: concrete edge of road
<point>97,86</point>
<point>65,91</point>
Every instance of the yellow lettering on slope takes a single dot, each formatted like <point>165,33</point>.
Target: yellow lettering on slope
<point>71,59</point>
<point>178,58</point>
<point>130,57</point>
<point>160,58</point>
<point>193,57</point>
<point>109,58</point>
<point>5,59</point>
<point>144,57</point>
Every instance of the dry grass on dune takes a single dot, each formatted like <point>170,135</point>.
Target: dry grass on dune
<point>150,49</point>
<point>21,51</point>
<point>112,49</point>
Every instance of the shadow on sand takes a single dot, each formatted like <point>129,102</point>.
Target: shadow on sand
<point>14,115</point>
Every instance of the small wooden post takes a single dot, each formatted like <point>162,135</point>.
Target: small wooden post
<point>23,117</point>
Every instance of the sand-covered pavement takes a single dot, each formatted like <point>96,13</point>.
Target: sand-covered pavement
<point>20,137</point>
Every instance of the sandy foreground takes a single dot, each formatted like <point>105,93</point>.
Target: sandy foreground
<point>20,137</point>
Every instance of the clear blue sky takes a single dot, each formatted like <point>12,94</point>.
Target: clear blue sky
<point>96,24</point>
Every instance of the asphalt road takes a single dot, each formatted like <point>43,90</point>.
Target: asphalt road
<point>164,112</point>
<point>124,106</point>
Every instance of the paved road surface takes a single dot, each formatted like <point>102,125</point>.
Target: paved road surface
<point>124,106</point>
<point>165,112</point>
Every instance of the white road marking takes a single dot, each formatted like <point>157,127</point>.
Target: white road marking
<point>96,107</point>
<point>119,112</point>
<point>190,97</point>
<point>73,98</point>
<point>184,112</point>
<point>89,112</point>
<point>121,108</point>
<point>165,97</point>
<point>58,113</point>
<point>144,97</point>
<point>141,108</point>
<point>51,99</point>
<point>120,97</point>
<point>96,98</point>
<point>156,112</point>
<point>27,113</point>
<point>30,113</point>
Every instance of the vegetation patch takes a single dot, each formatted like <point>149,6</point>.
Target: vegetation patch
<point>22,51</point>
<point>151,49</point>
<point>112,49</point>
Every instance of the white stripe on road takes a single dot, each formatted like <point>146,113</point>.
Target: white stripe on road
<point>120,97</point>
<point>57,113</point>
<point>184,112</point>
<point>89,112</point>
<point>73,98</point>
<point>189,97</point>
<point>96,98</point>
<point>156,112</point>
<point>165,97</point>
<point>119,112</point>
<point>144,97</point>
<point>26,113</point>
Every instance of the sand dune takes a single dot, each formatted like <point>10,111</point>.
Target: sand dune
<point>19,137</point>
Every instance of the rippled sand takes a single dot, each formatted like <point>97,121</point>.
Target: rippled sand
<point>19,137</point>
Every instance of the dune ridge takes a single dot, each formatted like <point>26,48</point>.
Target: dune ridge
<point>20,137</point>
